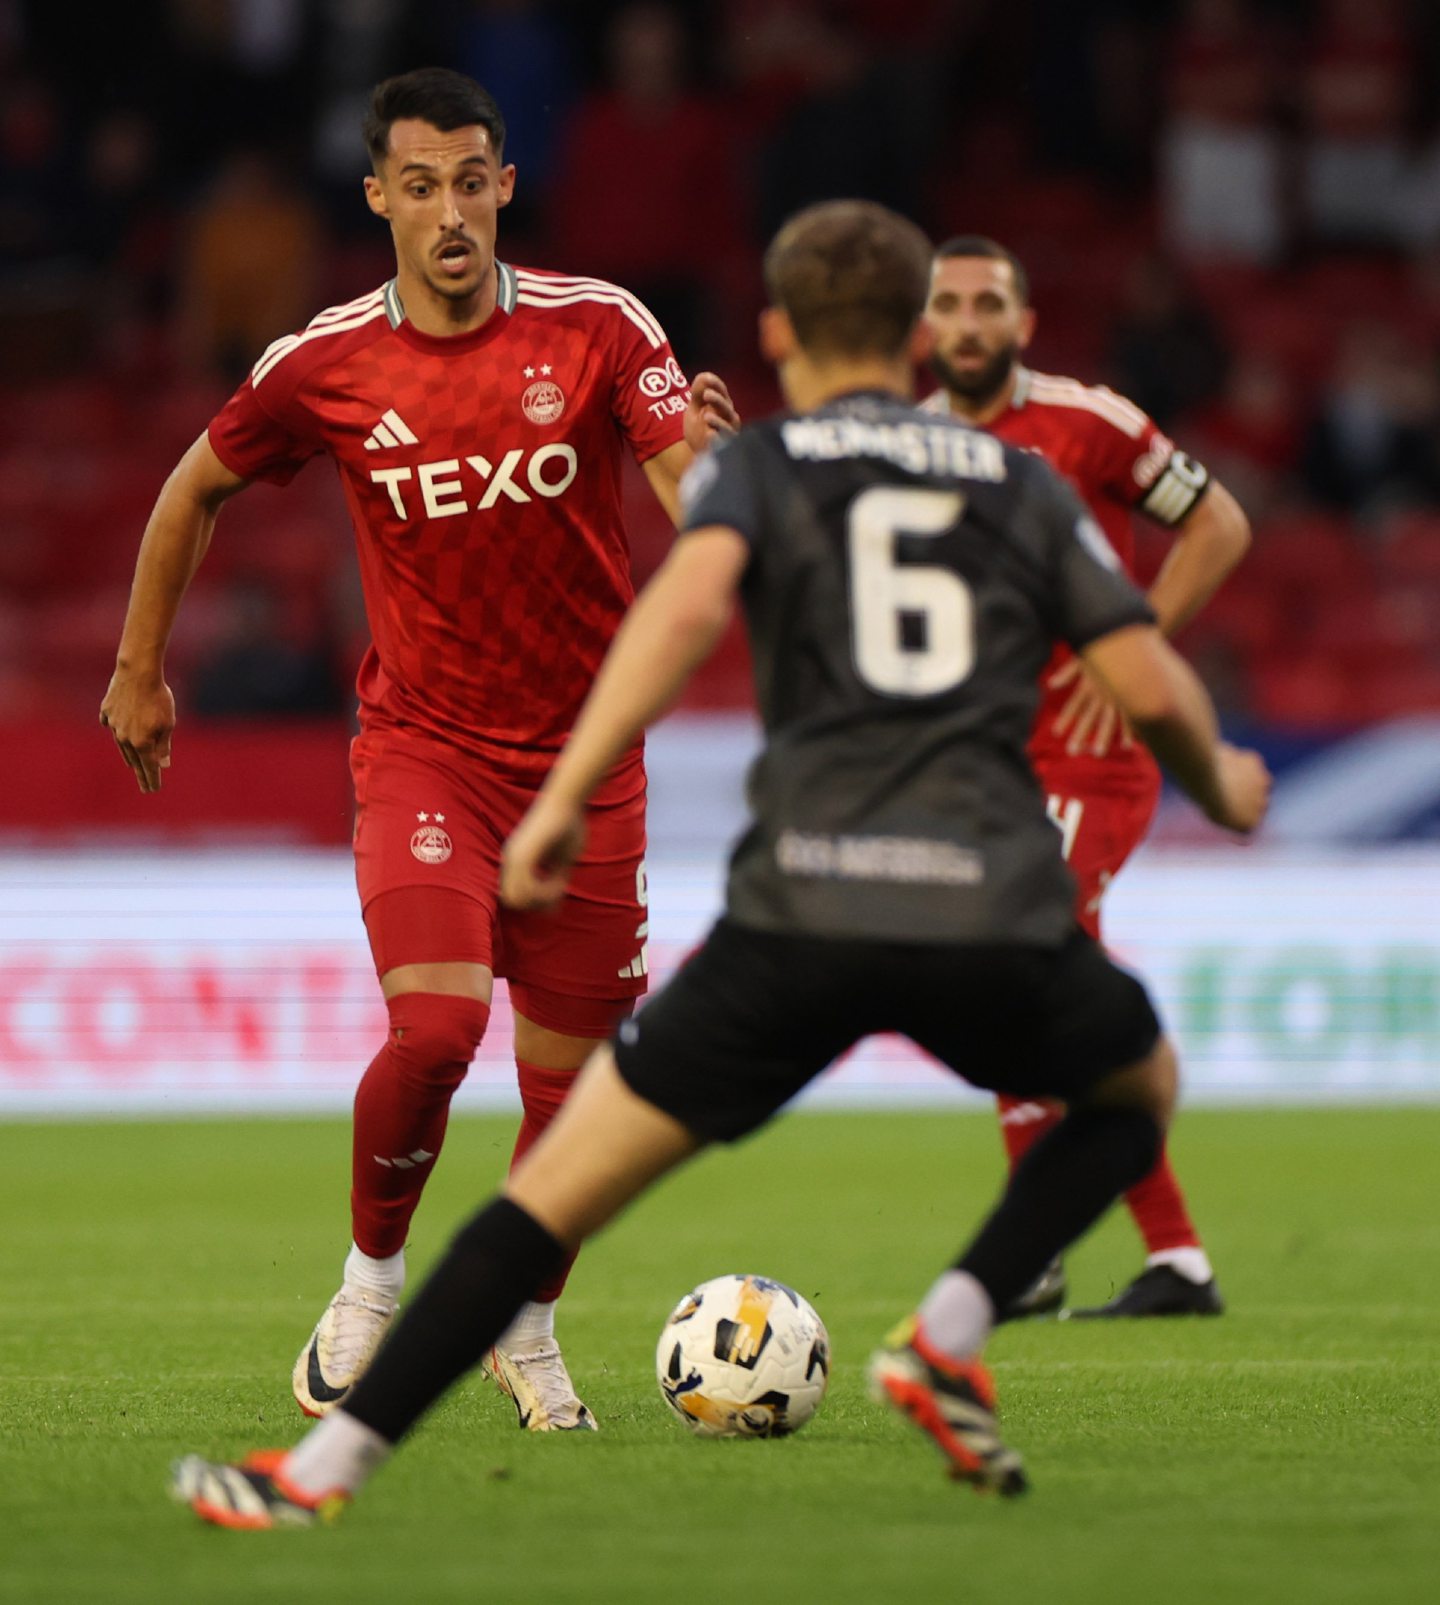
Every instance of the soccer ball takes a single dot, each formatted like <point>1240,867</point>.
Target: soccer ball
<point>743,1357</point>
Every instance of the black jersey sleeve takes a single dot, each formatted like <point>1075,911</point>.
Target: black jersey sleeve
<point>722,486</point>
<point>1093,595</point>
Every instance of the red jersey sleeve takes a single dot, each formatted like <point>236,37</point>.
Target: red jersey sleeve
<point>1144,469</point>
<point>651,391</point>
<point>255,444</point>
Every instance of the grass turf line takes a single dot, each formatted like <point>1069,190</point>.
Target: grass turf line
<point>158,1280</point>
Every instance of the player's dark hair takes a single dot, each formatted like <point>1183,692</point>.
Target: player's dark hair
<point>980,245</point>
<point>446,100</point>
<point>852,277</point>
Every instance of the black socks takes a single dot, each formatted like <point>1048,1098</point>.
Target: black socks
<point>494,1264</point>
<point>1060,1188</point>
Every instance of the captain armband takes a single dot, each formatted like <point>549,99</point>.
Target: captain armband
<point>1177,488</point>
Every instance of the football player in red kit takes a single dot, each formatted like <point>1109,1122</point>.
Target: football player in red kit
<point>1102,785</point>
<point>476,413</point>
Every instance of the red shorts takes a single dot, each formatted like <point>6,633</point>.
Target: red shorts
<point>427,817</point>
<point>1100,827</point>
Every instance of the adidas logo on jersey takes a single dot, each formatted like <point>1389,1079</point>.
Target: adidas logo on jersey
<point>392,430</point>
<point>637,968</point>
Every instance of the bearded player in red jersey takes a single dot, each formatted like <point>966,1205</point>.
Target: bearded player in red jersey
<point>476,413</point>
<point>1102,785</point>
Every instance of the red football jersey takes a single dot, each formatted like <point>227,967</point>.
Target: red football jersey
<point>482,473</point>
<point>1121,463</point>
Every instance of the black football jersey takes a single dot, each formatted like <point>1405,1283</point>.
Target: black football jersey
<point>908,577</point>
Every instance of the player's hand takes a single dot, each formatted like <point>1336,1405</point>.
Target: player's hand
<point>710,413</point>
<point>536,860</point>
<point>1242,789</point>
<point>1091,717</point>
<point>139,711</point>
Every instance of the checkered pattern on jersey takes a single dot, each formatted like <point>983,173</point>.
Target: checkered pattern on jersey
<point>493,598</point>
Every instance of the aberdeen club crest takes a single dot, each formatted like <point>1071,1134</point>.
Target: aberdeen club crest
<point>544,400</point>
<point>431,844</point>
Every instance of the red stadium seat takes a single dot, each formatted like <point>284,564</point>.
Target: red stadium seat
<point>1308,693</point>
<point>1303,554</point>
<point>1346,286</point>
<point>1411,549</point>
<point>1285,327</point>
<point>1396,693</point>
<point>1251,618</point>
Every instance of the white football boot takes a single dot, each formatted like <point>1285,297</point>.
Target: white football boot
<point>540,1387</point>
<point>340,1349</point>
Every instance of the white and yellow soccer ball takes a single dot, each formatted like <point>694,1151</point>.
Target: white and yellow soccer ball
<point>743,1357</point>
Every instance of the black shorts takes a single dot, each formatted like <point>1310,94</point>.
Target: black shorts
<point>754,1016</point>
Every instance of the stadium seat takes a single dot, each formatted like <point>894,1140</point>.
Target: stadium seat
<point>1305,553</point>
<point>1249,617</point>
<point>1308,693</point>
<point>1411,548</point>
<point>1398,692</point>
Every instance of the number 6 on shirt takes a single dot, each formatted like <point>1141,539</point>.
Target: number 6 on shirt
<point>884,592</point>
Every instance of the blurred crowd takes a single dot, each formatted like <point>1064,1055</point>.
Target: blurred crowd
<point>1230,210</point>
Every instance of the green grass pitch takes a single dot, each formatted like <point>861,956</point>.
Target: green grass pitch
<point>157,1280</point>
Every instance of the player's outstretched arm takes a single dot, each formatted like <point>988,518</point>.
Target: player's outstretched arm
<point>138,707</point>
<point>675,624</point>
<point>709,414</point>
<point>1172,713</point>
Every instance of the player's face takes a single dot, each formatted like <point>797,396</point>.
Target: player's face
<point>441,194</point>
<point>979,323</point>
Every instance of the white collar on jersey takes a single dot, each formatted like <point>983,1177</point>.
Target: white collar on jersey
<point>1021,393</point>
<point>505,295</point>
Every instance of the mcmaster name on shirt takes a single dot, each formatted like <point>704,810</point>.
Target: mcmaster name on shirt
<point>443,489</point>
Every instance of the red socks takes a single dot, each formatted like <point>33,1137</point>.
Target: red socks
<point>542,1092</point>
<point>1155,1202</point>
<point>1158,1208</point>
<point>401,1108</point>
<point>403,1103</point>
<point>1024,1121</point>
